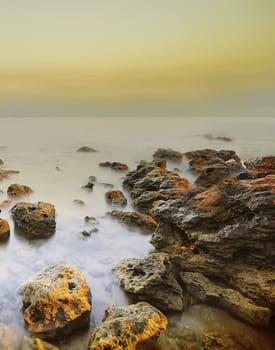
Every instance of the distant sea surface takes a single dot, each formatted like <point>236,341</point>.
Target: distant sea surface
<point>44,150</point>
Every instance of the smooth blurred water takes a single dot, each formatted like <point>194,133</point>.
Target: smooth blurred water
<point>36,146</point>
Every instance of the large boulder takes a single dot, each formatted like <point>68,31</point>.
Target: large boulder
<point>56,302</point>
<point>151,279</point>
<point>9,340</point>
<point>35,219</point>
<point>128,328</point>
<point>15,190</point>
<point>4,229</point>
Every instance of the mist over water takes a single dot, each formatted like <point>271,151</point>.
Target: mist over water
<point>44,150</point>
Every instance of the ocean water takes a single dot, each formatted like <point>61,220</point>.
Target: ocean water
<point>44,150</point>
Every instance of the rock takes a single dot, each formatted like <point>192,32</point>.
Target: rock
<point>134,220</point>
<point>116,197</point>
<point>206,291</point>
<point>91,182</point>
<point>6,203</point>
<point>86,149</point>
<point>212,166</point>
<point>114,165</point>
<point>1,162</point>
<point>4,229</point>
<point>90,232</point>
<point>91,220</point>
<point>128,328</point>
<point>5,174</point>
<point>151,279</point>
<point>35,219</point>
<point>16,190</point>
<point>56,302</point>
<point>217,341</point>
<point>218,138</point>
<point>261,167</point>
<point>162,153</point>
<point>79,202</point>
<point>9,340</point>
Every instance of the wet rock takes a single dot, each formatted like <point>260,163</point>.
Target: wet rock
<point>90,185</point>
<point>218,138</point>
<point>116,197</point>
<point>56,302</point>
<point>5,174</point>
<point>6,203</point>
<point>91,220</point>
<point>261,167</point>
<point>151,279</point>
<point>86,149</point>
<point>1,162</point>
<point>79,202</point>
<point>212,166</point>
<point>90,232</point>
<point>35,219</point>
<point>217,341</point>
<point>128,328</point>
<point>10,340</point>
<point>206,291</point>
<point>114,165</point>
<point>4,229</point>
<point>16,190</point>
<point>162,153</point>
<point>135,220</point>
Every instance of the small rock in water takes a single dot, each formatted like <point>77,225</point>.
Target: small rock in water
<point>116,198</point>
<point>6,203</point>
<point>86,149</point>
<point>79,202</point>
<point>4,230</point>
<point>91,220</point>
<point>218,138</point>
<point>90,232</point>
<point>114,165</point>
<point>162,153</point>
<point>16,190</point>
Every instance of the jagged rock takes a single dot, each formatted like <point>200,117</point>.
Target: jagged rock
<point>212,166</point>
<point>151,279</point>
<point>35,219</point>
<point>116,197</point>
<point>261,167</point>
<point>16,190</point>
<point>9,340</point>
<point>134,220</point>
<point>114,165</point>
<point>128,328</point>
<point>4,229</point>
<point>5,174</point>
<point>162,153</point>
<point>86,149</point>
<point>206,291</point>
<point>56,302</point>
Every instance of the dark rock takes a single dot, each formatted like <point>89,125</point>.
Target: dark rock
<point>56,302</point>
<point>16,190</point>
<point>218,138</point>
<point>135,220</point>
<point>162,153</point>
<point>90,185</point>
<point>261,167</point>
<point>151,279</point>
<point>9,340</point>
<point>129,327</point>
<point>114,165</point>
<point>116,197</point>
<point>90,232</point>
<point>91,220</point>
<point>86,149</point>
<point>4,230</point>
<point>35,219</point>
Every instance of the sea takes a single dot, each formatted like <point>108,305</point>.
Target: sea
<point>44,151</point>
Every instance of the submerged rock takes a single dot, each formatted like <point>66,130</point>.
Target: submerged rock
<point>218,138</point>
<point>86,149</point>
<point>116,197</point>
<point>133,219</point>
<point>9,340</point>
<point>4,229</point>
<point>5,174</point>
<point>16,190</point>
<point>162,153</point>
<point>128,328</point>
<point>79,202</point>
<point>56,302</point>
<point>6,203</point>
<point>151,279</point>
<point>114,165</point>
<point>35,219</point>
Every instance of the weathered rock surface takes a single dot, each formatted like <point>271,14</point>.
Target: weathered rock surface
<point>261,167</point>
<point>134,220</point>
<point>128,328</point>
<point>116,197</point>
<point>86,149</point>
<point>16,190</point>
<point>114,165</point>
<point>4,229</point>
<point>5,174</point>
<point>56,302</point>
<point>204,290</point>
<point>35,219</point>
<point>212,166</point>
<point>9,340</point>
<point>151,279</point>
<point>163,153</point>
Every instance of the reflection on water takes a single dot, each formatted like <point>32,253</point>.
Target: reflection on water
<point>44,151</point>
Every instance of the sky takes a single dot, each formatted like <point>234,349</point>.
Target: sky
<point>137,57</point>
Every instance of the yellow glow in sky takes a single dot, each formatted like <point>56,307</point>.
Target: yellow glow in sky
<point>121,53</point>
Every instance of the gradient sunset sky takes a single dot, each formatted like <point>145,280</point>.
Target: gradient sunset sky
<point>137,57</point>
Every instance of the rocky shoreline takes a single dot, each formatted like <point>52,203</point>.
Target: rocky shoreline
<point>214,243</point>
